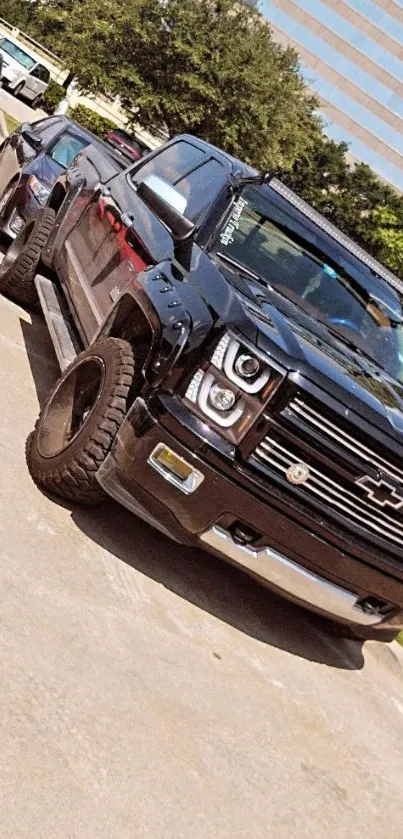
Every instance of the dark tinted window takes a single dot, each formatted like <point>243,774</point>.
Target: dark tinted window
<point>36,72</point>
<point>45,75</point>
<point>201,186</point>
<point>170,163</point>
<point>123,135</point>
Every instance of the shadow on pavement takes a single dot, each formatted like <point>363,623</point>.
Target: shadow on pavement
<point>41,355</point>
<point>210,584</point>
<point>217,588</point>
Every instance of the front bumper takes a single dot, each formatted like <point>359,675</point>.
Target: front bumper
<point>22,208</point>
<point>285,555</point>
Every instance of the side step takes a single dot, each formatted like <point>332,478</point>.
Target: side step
<point>57,320</point>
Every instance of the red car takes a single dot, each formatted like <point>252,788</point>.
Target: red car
<point>126,144</point>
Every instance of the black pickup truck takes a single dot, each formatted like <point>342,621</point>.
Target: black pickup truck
<point>232,372</point>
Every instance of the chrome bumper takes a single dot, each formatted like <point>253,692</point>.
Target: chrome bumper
<point>290,578</point>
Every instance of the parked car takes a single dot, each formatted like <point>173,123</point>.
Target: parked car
<point>126,143</point>
<point>31,160</point>
<point>232,372</point>
<point>23,72</point>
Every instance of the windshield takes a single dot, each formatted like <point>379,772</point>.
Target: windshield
<point>17,53</point>
<point>266,238</point>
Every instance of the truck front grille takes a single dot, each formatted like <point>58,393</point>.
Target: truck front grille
<point>337,459</point>
<point>318,422</point>
<point>333,492</point>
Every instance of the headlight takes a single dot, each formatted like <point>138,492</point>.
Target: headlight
<point>232,388</point>
<point>39,190</point>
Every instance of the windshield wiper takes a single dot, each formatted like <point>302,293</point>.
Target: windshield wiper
<point>351,343</point>
<point>340,336</point>
<point>239,266</point>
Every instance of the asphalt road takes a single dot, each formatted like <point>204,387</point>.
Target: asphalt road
<point>149,691</point>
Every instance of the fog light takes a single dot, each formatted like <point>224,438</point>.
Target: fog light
<point>247,366</point>
<point>222,398</point>
<point>175,469</point>
<point>16,223</point>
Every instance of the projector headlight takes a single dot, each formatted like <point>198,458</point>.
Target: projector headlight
<point>232,388</point>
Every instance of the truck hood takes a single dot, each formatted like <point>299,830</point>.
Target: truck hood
<point>309,350</point>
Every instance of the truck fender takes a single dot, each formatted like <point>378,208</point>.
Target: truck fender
<point>159,308</point>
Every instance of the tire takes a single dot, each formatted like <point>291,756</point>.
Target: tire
<point>21,260</point>
<point>37,101</point>
<point>5,197</point>
<point>18,88</point>
<point>79,423</point>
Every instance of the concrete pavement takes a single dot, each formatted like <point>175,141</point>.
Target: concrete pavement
<point>18,109</point>
<point>151,691</point>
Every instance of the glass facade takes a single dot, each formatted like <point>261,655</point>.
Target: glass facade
<point>351,55</point>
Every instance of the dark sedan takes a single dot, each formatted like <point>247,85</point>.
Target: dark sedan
<point>31,160</point>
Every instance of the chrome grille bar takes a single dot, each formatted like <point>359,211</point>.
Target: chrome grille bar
<point>328,428</point>
<point>271,452</point>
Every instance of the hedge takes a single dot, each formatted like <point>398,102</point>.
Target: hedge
<point>92,121</point>
<point>54,94</point>
<point>86,117</point>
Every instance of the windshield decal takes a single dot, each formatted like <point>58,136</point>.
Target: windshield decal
<point>330,271</point>
<point>226,237</point>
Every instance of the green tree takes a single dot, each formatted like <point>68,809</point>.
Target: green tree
<point>212,68</point>
<point>385,236</point>
<point>209,67</point>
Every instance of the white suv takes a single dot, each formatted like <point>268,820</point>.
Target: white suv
<point>22,72</point>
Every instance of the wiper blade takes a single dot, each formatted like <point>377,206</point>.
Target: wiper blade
<point>350,343</point>
<point>238,265</point>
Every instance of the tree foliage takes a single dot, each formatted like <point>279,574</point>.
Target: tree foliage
<point>212,68</point>
<point>209,67</point>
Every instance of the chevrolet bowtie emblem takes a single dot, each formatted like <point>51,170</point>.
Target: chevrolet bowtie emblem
<point>382,492</point>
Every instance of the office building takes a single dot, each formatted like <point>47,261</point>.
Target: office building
<point>351,54</point>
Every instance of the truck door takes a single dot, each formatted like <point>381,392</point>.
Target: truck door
<point>116,229</point>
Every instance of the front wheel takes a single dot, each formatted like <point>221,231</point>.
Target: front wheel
<point>21,260</point>
<point>79,423</point>
<point>37,101</point>
<point>18,88</point>
<point>5,197</point>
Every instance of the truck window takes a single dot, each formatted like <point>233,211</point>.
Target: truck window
<point>170,163</point>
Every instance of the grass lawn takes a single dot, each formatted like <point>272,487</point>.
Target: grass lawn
<point>11,123</point>
<point>400,638</point>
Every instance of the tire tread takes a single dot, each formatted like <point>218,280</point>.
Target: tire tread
<point>76,480</point>
<point>18,281</point>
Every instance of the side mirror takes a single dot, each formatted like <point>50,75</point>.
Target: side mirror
<point>32,138</point>
<point>168,204</point>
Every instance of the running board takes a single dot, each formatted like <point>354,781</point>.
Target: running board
<point>57,320</point>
